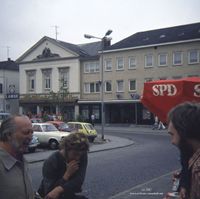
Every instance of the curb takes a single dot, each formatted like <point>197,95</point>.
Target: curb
<point>94,151</point>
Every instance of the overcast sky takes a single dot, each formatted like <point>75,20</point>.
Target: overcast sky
<point>24,22</point>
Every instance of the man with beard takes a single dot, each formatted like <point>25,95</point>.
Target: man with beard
<point>15,135</point>
<point>184,128</point>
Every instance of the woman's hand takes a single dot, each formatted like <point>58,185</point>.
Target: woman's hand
<point>71,169</point>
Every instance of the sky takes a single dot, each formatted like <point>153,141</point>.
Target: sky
<point>25,22</point>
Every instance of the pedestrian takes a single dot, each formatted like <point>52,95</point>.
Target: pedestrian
<point>155,126</point>
<point>15,135</point>
<point>161,126</point>
<point>184,128</point>
<point>93,119</point>
<point>64,171</point>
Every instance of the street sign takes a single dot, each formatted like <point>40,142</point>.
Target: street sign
<point>12,96</point>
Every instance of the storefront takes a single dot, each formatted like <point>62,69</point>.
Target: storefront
<point>126,112</point>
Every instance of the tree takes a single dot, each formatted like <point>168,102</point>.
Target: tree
<point>59,98</point>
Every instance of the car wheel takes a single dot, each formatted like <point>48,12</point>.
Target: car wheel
<point>91,140</point>
<point>53,144</point>
<point>31,150</point>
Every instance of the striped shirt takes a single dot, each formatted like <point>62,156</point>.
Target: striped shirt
<point>194,166</point>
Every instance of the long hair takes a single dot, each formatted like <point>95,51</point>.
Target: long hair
<point>75,141</point>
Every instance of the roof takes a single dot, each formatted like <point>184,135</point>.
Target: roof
<point>9,65</point>
<point>91,48</point>
<point>82,50</point>
<point>159,37</point>
<point>88,49</point>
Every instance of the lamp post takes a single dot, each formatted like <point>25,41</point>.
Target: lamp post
<point>103,39</point>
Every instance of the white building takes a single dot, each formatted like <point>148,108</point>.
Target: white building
<point>45,68</point>
<point>9,87</point>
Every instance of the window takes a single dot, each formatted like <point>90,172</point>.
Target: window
<point>120,63</point>
<point>86,87</point>
<point>120,85</point>
<point>132,85</point>
<point>93,87</point>
<point>86,68</point>
<point>46,79</point>
<point>108,64</point>
<point>177,58</point>
<point>131,62</point>
<point>148,61</point>
<point>92,90</point>
<point>64,77</point>
<point>108,86</point>
<point>162,59</point>
<point>37,128</point>
<point>31,80</point>
<point>78,126</point>
<point>1,88</point>
<point>193,57</point>
<point>91,67</point>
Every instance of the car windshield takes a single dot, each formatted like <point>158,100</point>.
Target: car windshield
<point>70,126</point>
<point>89,126</point>
<point>64,126</point>
<point>47,128</point>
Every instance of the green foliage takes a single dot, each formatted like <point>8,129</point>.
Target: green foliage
<point>60,97</point>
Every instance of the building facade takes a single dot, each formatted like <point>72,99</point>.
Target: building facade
<point>9,87</point>
<point>50,77</point>
<point>168,53</point>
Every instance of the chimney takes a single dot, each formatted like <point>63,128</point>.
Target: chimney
<point>107,42</point>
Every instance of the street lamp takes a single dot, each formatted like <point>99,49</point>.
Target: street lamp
<point>103,39</point>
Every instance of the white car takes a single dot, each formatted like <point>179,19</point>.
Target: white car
<point>48,134</point>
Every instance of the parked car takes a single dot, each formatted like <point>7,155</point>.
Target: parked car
<point>36,120</point>
<point>62,126</point>
<point>33,144</point>
<point>48,134</point>
<point>85,128</point>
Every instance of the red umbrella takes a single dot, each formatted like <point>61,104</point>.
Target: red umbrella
<point>162,95</point>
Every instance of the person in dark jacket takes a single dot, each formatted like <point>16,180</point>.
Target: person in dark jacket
<point>64,171</point>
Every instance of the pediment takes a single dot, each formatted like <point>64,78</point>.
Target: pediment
<point>46,49</point>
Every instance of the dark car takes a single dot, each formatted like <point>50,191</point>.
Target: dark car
<point>36,120</point>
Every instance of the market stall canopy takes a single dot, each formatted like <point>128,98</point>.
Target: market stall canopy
<point>162,95</point>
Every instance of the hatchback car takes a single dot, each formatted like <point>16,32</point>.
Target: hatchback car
<point>85,128</point>
<point>48,134</point>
